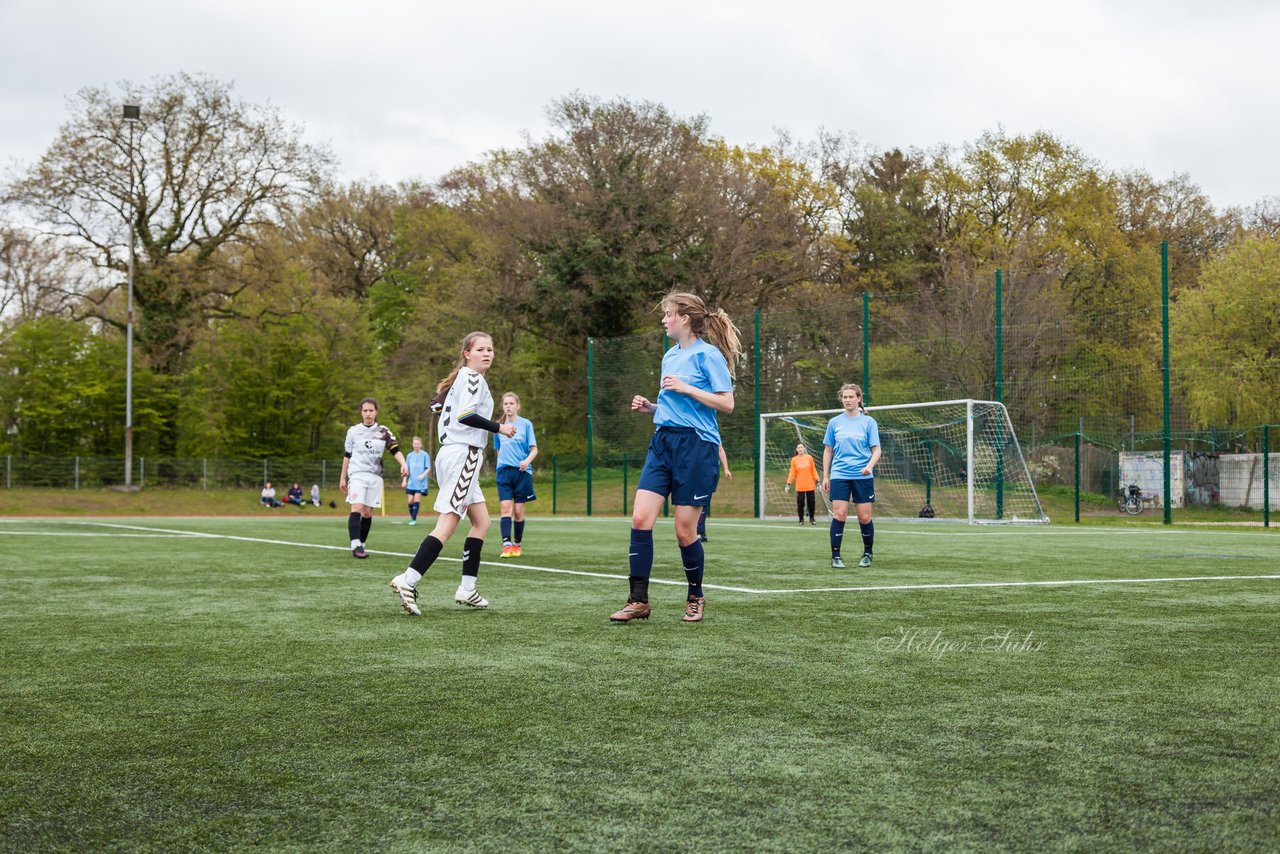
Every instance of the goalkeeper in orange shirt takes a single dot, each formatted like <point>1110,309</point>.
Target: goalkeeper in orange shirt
<point>804,474</point>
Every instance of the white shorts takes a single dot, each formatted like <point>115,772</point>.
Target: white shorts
<point>458,473</point>
<point>364,489</point>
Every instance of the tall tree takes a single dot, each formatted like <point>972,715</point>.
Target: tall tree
<point>1226,333</point>
<point>198,171</point>
<point>892,222</point>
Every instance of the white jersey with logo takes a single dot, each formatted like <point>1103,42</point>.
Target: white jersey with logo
<point>365,447</point>
<point>469,394</point>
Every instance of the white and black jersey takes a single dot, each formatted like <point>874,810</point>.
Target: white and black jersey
<point>469,395</point>
<point>365,447</point>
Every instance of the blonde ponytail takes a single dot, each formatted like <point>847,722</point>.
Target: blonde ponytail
<point>721,332</point>
<point>715,326</point>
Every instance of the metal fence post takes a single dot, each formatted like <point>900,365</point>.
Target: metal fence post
<point>756,448</point>
<point>77,476</point>
<point>1164,379</point>
<point>1266,475</point>
<point>1077,478</point>
<point>591,355</point>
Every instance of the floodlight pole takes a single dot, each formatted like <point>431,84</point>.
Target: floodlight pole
<point>132,114</point>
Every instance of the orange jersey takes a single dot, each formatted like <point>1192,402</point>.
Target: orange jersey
<point>804,474</point>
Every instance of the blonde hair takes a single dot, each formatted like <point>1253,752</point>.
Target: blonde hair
<point>467,343</point>
<point>514,396</point>
<point>715,326</point>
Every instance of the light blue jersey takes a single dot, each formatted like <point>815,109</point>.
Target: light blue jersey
<point>419,463</point>
<point>702,366</point>
<point>512,451</point>
<point>851,440</point>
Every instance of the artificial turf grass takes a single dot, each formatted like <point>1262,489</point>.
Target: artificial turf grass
<point>228,696</point>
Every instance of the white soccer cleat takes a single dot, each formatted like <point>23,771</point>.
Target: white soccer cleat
<point>471,599</point>
<point>407,595</point>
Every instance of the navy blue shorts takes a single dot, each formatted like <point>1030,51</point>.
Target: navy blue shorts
<point>422,490</point>
<point>515,485</point>
<point>861,490</point>
<point>681,465</point>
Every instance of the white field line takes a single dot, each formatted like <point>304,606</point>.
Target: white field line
<point>752,590</point>
<point>95,534</point>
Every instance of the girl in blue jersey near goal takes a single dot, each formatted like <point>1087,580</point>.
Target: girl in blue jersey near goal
<point>849,456</point>
<point>683,462</point>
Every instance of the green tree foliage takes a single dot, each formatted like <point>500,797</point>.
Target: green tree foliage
<point>285,384</point>
<point>1227,331</point>
<point>893,224</point>
<point>62,391</point>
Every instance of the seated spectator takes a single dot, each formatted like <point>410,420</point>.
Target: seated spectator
<point>295,495</point>
<point>315,494</point>
<point>269,496</point>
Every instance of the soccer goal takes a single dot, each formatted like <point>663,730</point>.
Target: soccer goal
<point>956,460</point>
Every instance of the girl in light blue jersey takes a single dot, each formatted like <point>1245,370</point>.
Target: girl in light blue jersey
<point>683,462</point>
<point>514,474</point>
<point>417,483</point>
<point>849,456</point>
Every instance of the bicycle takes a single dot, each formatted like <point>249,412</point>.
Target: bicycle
<point>1130,500</point>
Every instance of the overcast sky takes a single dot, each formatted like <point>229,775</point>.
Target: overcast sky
<point>403,89</point>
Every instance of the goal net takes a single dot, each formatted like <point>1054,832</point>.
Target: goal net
<point>955,460</point>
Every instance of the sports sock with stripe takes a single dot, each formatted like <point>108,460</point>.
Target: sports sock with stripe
<point>837,534</point>
<point>471,558</point>
<point>693,558</point>
<point>640,556</point>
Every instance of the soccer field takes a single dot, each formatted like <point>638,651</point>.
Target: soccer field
<point>215,683</point>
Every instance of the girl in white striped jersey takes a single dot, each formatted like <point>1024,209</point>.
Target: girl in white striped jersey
<point>464,427</point>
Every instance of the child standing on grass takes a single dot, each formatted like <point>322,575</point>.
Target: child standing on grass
<point>804,474</point>
<point>515,474</point>
<point>849,456</point>
<point>684,454</point>
<point>417,484</point>
<point>361,477</point>
<point>464,427</point>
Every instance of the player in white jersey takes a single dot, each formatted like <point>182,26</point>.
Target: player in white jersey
<point>465,425</point>
<point>361,478</point>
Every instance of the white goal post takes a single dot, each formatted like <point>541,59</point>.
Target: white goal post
<point>951,460</point>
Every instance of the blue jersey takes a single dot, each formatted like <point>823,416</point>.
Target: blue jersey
<point>702,366</point>
<point>851,440</point>
<point>512,451</point>
<point>419,462</point>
